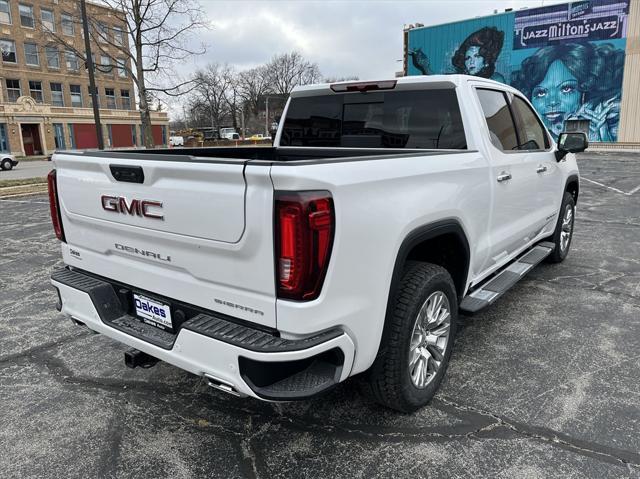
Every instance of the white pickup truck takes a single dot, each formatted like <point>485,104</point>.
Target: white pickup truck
<point>349,247</point>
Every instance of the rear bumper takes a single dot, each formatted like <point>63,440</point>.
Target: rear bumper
<point>232,356</point>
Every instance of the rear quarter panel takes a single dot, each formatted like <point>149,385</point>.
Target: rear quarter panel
<point>377,204</point>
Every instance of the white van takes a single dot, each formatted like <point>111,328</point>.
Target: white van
<point>176,141</point>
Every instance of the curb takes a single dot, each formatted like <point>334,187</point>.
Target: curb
<point>24,190</point>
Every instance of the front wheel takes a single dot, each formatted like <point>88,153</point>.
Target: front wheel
<point>564,230</point>
<point>417,339</point>
<point>6,164</point>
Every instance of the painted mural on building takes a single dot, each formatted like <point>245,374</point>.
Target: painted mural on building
<point>568,59</point>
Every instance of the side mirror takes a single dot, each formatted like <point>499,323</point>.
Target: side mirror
<point>573,142</point>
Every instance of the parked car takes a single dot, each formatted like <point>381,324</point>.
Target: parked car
<point>259,137</point>
<point>8,162</point>
<point>350,247</point>
<point>176,141</point>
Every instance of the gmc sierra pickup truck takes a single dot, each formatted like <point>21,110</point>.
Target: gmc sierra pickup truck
<point>383,210</point>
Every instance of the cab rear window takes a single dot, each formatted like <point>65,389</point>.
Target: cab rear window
<point>424,119</point>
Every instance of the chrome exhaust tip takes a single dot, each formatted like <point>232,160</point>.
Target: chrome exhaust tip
<point>223,386</point>
<point>79,323</point>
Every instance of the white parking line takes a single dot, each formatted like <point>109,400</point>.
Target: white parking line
<point>611,187</point>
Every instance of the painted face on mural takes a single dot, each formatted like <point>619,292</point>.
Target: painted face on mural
<point>556,97</point>
<point>473,61</point>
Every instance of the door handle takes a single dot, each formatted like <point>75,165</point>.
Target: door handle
<point>504,177</point>
<point>541,169</point>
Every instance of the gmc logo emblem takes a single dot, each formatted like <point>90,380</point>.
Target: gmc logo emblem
<point>118,204</point>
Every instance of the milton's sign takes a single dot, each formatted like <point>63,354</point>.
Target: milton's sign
<point>592,29</point>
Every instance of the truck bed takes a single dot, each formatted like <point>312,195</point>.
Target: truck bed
<point>266,154</point>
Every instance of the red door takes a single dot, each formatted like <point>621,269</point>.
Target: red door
<point>156,132</point>
<point>121,136</point>
<point>31,139</point>
<point>85,135</point>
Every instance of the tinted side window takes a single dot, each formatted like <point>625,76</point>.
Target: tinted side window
<point>499,120</point>
<point>530,131</point>
<point>424,119</point>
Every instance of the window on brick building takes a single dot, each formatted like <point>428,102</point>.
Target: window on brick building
<point>125,99</point>
<point>35,90</point>
<point>31,56</point>
<point>13,90</point>
<point>76,95</point>
<point>8,48</point>
<point>53,58</point>
<point>57,95</point>
<point>48,20</point>
<point>5,12</point>
<point>26,16</point>
<point>110,94</point>
<point>68,28</point>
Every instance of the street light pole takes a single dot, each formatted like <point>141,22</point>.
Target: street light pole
<point>92,78</point>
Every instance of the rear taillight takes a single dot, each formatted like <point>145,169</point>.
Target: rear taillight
<point>304,227</point>
<point>54,206</point>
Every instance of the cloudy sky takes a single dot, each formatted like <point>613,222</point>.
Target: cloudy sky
<point>345,38</point>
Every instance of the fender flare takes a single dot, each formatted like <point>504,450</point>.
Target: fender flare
<point>572,179</point>
<point>424,233</point>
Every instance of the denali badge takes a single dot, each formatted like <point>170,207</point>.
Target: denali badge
<point>143,252</point>
<point>118,204</point>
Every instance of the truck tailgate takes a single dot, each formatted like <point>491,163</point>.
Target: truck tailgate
<point>194,230</point>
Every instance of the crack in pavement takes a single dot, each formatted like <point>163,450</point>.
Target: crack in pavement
<point>247,447</point>
<point>555,438</point>
<point>40,348</point>
<point>625,296</point>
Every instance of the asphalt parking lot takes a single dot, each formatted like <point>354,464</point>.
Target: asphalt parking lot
<point>546,383</point>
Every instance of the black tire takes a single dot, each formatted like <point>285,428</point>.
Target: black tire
<point>560,252</point>
<point>6,164</point>
<point>389,380</point>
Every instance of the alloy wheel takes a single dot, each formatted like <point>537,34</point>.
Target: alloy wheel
<point>566,229</point>
<point>429,339</point>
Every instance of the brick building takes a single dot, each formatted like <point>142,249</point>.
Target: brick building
<point>45,101</point>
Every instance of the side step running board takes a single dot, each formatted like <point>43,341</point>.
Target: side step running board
<point>489,292</point>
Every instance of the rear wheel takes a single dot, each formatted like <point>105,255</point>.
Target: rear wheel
<point>564,230</point>
<point>417,339</point>
<point>6,164</point>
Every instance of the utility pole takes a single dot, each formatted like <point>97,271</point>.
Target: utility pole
<point>92,78</point>
<point>266,118</point>
<point>242,121</point>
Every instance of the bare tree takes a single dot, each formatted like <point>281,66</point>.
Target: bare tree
<point>253,84</point>
<point>233,95</point>
<point>161,33</point>
<point>221,93</point>
<point>211,94</point>
<point>288,70</point>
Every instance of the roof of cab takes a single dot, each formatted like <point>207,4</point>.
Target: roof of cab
<point>408,82</point>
